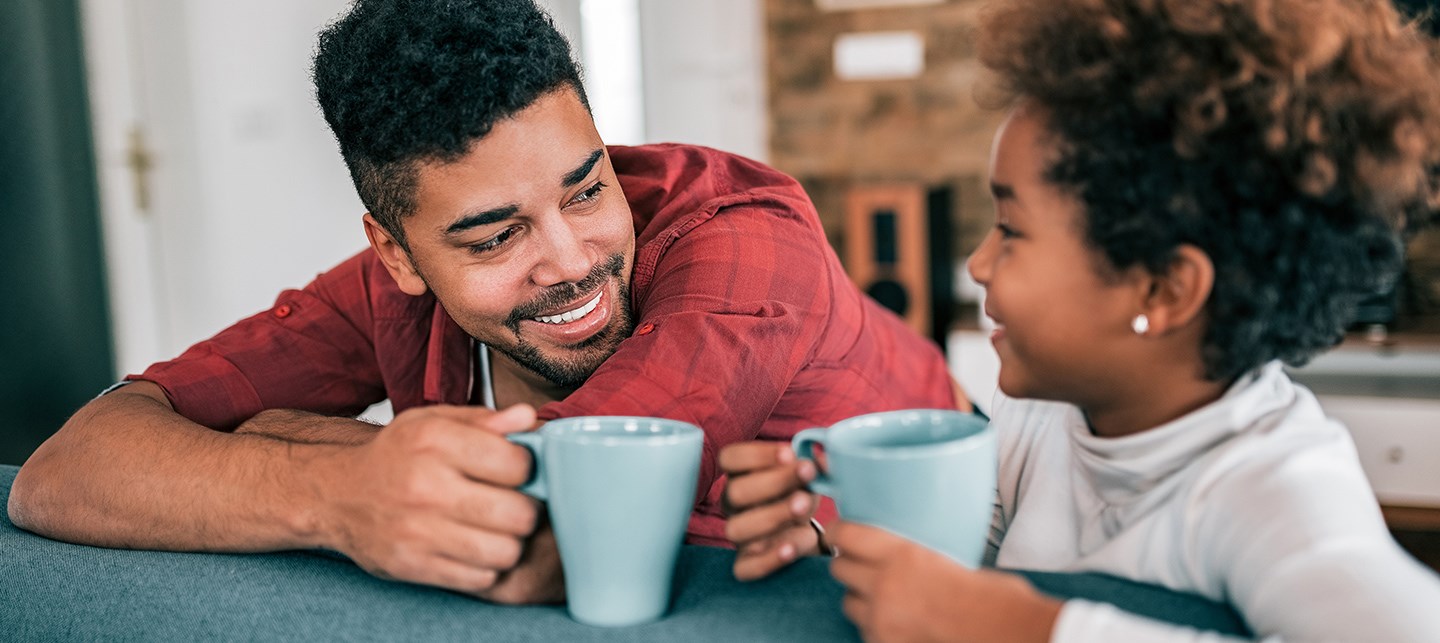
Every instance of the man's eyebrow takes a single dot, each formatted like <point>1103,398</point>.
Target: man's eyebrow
<point>484,217</point>
<point>1001,191</point>
<point>581,171</point>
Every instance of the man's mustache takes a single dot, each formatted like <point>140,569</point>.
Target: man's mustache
<point>560,294</point>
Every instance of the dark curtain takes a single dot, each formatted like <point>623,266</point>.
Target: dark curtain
<point>55,348</point>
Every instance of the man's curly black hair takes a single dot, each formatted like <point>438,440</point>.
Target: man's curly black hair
<point>1290,140</point>
<point>403,82</point>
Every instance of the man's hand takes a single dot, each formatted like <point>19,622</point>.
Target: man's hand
<point>900,591</point>
<point>768,506</point>
<point>432,500</point>
<point>537,578</point>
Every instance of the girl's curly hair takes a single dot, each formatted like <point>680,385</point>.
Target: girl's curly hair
<point>1291,140</point>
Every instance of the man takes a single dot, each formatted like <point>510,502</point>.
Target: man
<point>515,263</point>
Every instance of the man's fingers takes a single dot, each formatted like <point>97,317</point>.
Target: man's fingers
<point>766,486</point>
<point>762,521</point>
<point>453,575</point>
<point>745,457</point>
<point>478,548</point>
<point>520,417</point>
<point>514,419</point>
<point>496,509</point>
<point>483,456</point>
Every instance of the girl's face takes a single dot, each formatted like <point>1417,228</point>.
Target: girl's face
<point>1064,326</point>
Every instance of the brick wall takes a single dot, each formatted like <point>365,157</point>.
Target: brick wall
<point>832,133</point>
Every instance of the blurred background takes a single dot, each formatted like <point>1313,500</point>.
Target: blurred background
<point>164,171</point>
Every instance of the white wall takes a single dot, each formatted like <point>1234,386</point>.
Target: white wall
<point>248,194</point>
<point>278,205</point>
<point>704,63</point>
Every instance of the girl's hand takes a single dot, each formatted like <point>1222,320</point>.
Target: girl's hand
<point>768,506</point>
<point>900,591</point>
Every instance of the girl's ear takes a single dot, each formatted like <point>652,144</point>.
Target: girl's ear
<point>396,259</point>
<point>1177,298</point>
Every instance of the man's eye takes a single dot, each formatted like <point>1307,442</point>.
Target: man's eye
<point>493,242</point>
<point>590,194</point>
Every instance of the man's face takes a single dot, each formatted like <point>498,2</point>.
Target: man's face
<point>527,241</point>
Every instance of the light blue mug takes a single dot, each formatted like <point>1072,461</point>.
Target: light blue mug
<point>925,475</point>
<point>620,492</point>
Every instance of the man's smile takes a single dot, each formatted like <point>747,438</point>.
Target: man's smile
<point>571,328</point>
<point>573,314</point>
<point>568,316</point>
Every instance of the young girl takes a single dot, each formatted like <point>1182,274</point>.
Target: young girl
<point>1189,193</point>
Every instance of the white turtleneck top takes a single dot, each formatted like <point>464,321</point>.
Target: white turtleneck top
<point>1256,499</point>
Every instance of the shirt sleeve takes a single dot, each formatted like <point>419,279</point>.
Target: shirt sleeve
<point>311,351</point>
<point>735,311</point>
<point>1083,621</point>
<point>1295,540</point>
<point>1303,552</point>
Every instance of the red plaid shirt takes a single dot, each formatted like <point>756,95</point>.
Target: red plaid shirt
<point>751,329</point>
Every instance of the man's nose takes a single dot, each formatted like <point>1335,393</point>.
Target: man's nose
<point>565,257</point>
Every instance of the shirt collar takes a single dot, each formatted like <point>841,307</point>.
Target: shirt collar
<point>1125,467</point>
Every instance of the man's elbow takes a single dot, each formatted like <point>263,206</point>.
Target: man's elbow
<point>26,506</point>
<point>37,495</point>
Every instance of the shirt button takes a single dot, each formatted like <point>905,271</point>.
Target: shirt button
<point>645,329</point>
<point>282,311</point>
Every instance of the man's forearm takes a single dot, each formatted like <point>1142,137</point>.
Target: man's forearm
<point>127,471</point>
<point>308,428</point>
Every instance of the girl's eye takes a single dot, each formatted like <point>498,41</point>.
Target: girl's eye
<point>590,194</point>
<point>494,242</point>
<point>1006,232</point>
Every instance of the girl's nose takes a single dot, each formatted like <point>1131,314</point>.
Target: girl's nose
<point>979,263</point>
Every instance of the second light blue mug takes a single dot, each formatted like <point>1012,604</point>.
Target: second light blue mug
<point>620,492</point>
<point>925,475</point>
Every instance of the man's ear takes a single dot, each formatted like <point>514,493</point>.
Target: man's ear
<point>396,259</point>
<point>1177,298</point>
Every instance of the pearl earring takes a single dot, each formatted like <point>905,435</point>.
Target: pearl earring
<point>1140,324</point>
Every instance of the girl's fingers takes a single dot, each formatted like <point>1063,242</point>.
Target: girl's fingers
<point>766,486</point>
<point>857,609</point>
<point>766,520</point>
<point>857,577</point>
<point>745,457</point>
<point>762,558</point>
<point>863,542</point>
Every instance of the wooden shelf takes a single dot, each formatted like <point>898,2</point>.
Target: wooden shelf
<point>1412,518</point>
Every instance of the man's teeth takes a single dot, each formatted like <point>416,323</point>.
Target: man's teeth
<point>567,317</point>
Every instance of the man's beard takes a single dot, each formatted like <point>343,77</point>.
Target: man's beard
<point>571,373</point>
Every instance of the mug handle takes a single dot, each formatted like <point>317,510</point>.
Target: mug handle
<point>804,445</point>
<point>535,486</point>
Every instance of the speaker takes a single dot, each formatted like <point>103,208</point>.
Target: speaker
<point>897,249</point>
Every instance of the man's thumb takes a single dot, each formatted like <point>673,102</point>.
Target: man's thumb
<point>520,417</point>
